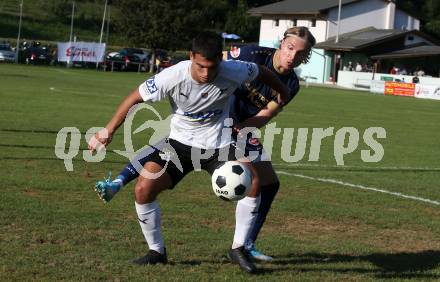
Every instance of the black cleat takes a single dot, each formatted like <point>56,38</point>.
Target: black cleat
<point>152,257</point>
<point>241,257</point>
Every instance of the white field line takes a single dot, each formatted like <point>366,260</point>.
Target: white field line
<point>85,93</point>
<point>358,186</point>
<point>64,72</point>
<point>342,167</point>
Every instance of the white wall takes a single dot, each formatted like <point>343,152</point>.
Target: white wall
<point>270,34</point>
<point>355,16</point>
<point>314,71</point>
<point>404,21</point>
<point>362,80</point>
<point>359,15</point>
<point>390,15</point>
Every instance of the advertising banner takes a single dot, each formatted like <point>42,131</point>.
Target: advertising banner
<point>81,52</point>
<point>399,88</point>
<point>427,91</point>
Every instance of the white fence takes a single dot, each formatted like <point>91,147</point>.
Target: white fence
<point>391,84</point>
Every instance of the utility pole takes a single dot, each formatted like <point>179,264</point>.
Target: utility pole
<point>102,28</point>
<point>19,33</point>
<point>108,24</point>
<point>339,22</point>
<point>71,33</point>
<point>335,57</point>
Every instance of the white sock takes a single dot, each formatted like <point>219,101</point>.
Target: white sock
<point>149,219</point>
<point>245,215</point>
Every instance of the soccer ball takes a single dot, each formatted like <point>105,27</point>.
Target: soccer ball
<point>232,181</point>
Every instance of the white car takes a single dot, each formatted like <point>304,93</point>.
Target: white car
<point>6,53</point>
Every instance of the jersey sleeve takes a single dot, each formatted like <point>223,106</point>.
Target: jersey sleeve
<point>251,53</point>
<point>241,53</point>
<point>243,72</point>
<point>155,88</point>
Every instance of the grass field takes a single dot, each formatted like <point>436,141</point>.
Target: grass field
<point>53,227</point>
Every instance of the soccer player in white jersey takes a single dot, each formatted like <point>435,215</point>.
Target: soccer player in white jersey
<point>199,91</point>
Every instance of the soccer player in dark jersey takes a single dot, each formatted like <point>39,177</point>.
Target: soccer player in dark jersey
<point>255,104</point>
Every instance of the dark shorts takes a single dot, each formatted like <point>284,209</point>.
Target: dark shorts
<point>253,149</point>
<point>180,159</point>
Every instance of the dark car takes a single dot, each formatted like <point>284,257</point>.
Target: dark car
<point>35,55</point>
<point>168,62</point>
<point>144,56</point>
<point>123,62</point>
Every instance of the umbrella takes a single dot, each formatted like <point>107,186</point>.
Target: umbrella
<point>230,36</point>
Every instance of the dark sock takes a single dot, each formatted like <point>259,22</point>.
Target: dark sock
<point>129,172</point>
<point>268,193</point>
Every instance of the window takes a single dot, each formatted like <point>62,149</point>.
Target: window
<point>313,23</point>
<point>277,22</point>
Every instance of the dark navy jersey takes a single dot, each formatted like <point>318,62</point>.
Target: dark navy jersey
<point>252,97</point>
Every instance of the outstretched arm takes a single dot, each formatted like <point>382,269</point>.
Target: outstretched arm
<point>270,79</point>
<point>261,118</point>
<point>104,136</point>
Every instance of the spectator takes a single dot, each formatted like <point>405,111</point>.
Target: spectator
<point>157,63</point>
<point>403,71</point>
<point>358,67</point>
<point>394,70</point>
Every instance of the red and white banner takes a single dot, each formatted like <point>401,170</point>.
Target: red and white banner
<point>81,52</point>
<point>428,91</point>
<point>399,88</point>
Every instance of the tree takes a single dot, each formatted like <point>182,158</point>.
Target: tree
<point>427,11</point>
<point>431,9</point>
<point>239,22</point>
<point>214,13</point>
<point>163,24</point>
<point>60,9</point>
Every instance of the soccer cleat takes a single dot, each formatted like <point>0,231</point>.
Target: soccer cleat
<point>107,189</point>
<point>241,257</point>
<point>255,254</point>
<point>152,257</point>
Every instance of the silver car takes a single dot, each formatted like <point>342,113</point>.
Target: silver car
<point>6,53</point>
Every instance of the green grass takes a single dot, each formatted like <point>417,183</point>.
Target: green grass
<point>53,227</point>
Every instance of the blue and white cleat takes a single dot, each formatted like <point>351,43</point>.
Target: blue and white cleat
<point>257,255</point>
<point>107,188</point>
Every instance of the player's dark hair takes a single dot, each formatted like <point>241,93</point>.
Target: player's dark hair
<point>208,44</point>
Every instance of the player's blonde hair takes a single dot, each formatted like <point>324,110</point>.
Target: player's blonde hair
<point>303,32</point>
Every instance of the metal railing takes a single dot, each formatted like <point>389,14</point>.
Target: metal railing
<point>127,65</point>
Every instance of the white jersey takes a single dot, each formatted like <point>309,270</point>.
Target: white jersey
<point>199,109</point>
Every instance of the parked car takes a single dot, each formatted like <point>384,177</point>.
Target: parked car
<point>122,62</point>
<point>143,55</point>
<point>168,62</point>
<point>35,55</point>
<point>6,53</point>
